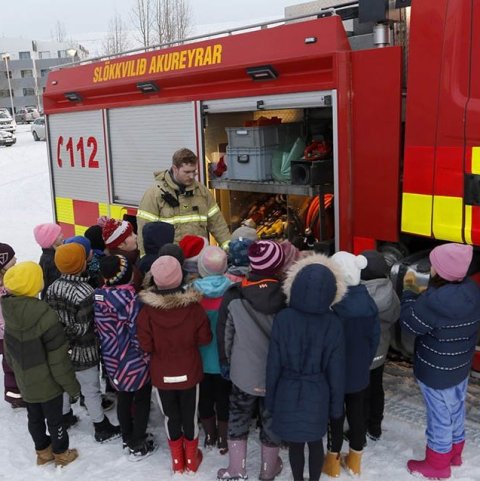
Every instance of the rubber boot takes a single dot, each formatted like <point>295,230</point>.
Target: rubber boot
<point>45,456</point>
<point>457,448</point>
<point>352,462</point>
<point>178,458</point>
<point>237,461</point>
<point>434,466</point>
<point>331,464</point>
<point>271,463</point>
<point>193,455</point>
<point>66,457</point>
<point>210,428</point>
<point>222,442</point>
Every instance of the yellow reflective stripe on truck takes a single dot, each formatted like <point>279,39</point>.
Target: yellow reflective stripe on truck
<point>177,219</point>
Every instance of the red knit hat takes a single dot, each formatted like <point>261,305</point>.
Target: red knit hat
<point>114,232</point>
<point>192,245</point>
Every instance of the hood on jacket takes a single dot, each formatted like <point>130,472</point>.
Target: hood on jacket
<point>164,177</point>
<point>114,297</point>
<point>156,235</point>
<point>182,298</point>
<point>381,291</point>
<point>25,311</point>
<point>265,295</point>
<point>314,283</point>
<point>357,303</point>
<point>212,286</point>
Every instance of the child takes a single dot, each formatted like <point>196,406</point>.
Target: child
<point>171,326</point>
<point>214,390</point>
<point>191,246</point>
<point>243,335</point>
<point>120,239</point>
<point>375,279</point>
<point>94,235</point>
<point>359,316</point>
<point>238,259</point>
<point>36,348</point>
<point>445,321</point>
<point>72,298</point>
<point>12,393</point>
<point>127,366</point>
<point>155,235</point>
<point>48,237</point>
<point>306,362</point>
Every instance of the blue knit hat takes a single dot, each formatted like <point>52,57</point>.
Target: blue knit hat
<point>238,252</point>
<point>83,241</point>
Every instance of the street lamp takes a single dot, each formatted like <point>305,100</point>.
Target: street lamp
<point>72,52</point>
<point>6,58</point>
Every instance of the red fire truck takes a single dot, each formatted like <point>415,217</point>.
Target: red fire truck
<point>403,123</point>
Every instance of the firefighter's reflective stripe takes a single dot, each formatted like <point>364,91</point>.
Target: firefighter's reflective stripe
<point>475,160</point>
<point>64,210</point>
<point>448,218</point>
<point>225,245</point>
<point>468,224</point>
<point>214,210</point>
<point>417,214</point>
<point>177,219</point>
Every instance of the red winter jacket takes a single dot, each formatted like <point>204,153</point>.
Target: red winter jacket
<point>171,327</point>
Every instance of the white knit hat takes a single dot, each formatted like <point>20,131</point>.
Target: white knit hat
<point>351,266</point>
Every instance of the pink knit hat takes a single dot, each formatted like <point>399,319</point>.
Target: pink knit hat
<point>212,261</point>
<point>167,273</point>
<point>46,234</point>
<point>451,261</point>
<point>291,253</point>
<point>266,257</point>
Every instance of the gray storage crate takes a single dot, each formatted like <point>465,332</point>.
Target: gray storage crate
<point>252,137</point>
<point>249,164</point>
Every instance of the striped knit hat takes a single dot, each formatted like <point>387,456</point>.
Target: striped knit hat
<point>114,232</point>
<point>266,257</point>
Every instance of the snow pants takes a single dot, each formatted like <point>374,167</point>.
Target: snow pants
<point>214,397</point>
<point>12,393</point>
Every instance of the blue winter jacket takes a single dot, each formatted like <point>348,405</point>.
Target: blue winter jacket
<point>306,358</point>
<point>359,315</point>
<point>445,321</point>
<point>212,288</point>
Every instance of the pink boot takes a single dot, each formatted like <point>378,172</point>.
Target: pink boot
<point>434,466</point>
<point>271,463</point>
<point>457,449</point>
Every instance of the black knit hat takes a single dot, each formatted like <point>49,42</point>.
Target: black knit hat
<point>173,250</point>
<point>156,235</point>
<point>6,254</point>
<point>94,235</point>
<point>116,270</point>
<point>376,268</point>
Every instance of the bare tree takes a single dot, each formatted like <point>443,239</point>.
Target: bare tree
<point>116,40</point>
<point>59,32</point>
<point>172,20</point>
<point>142,17</point>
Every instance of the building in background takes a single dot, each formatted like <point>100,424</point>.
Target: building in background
<point>24,67</point>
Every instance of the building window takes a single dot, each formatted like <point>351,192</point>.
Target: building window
<point>62,54</point>
<point>8,74</point>
<point>44,72</point>
<point>5,93</point>
<point>44,54</point>
<point>27,92</point>
<point>23,55</point>
<point>26,73</point>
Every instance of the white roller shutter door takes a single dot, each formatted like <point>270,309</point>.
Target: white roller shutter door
<point>142,141</point>
<point>78,160</point>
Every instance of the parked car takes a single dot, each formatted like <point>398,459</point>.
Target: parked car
<point>7,123</point>
<point>7,138</point>
<point>38,129</point>
<point>26,115</point>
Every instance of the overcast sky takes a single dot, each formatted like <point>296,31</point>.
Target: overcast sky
<point>89,19</point>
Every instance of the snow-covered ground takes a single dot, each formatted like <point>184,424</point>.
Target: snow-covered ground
<point>25,202</point>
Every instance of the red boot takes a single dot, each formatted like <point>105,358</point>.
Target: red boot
<point>193,455</point>
<point>457,449</point>
<point>434,466</point>
<point>176,450</point>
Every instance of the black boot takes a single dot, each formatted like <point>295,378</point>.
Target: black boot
<point>69,419</point>
<point>210,428</point>
<point>105,431</point>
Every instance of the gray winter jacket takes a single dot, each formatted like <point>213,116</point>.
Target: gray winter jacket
<point>388,304</point>
<point>243,330</point>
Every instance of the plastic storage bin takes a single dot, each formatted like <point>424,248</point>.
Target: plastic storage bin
<point>249,164</point>
<point>252,137</point>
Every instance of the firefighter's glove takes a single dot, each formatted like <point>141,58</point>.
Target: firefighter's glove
<point>225,371</point>
<point>410,283</point>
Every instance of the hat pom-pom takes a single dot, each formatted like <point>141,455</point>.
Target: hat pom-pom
<point>101,221</point>
<point>361,262</point>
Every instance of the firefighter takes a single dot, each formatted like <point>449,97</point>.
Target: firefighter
<point>177,198</point>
